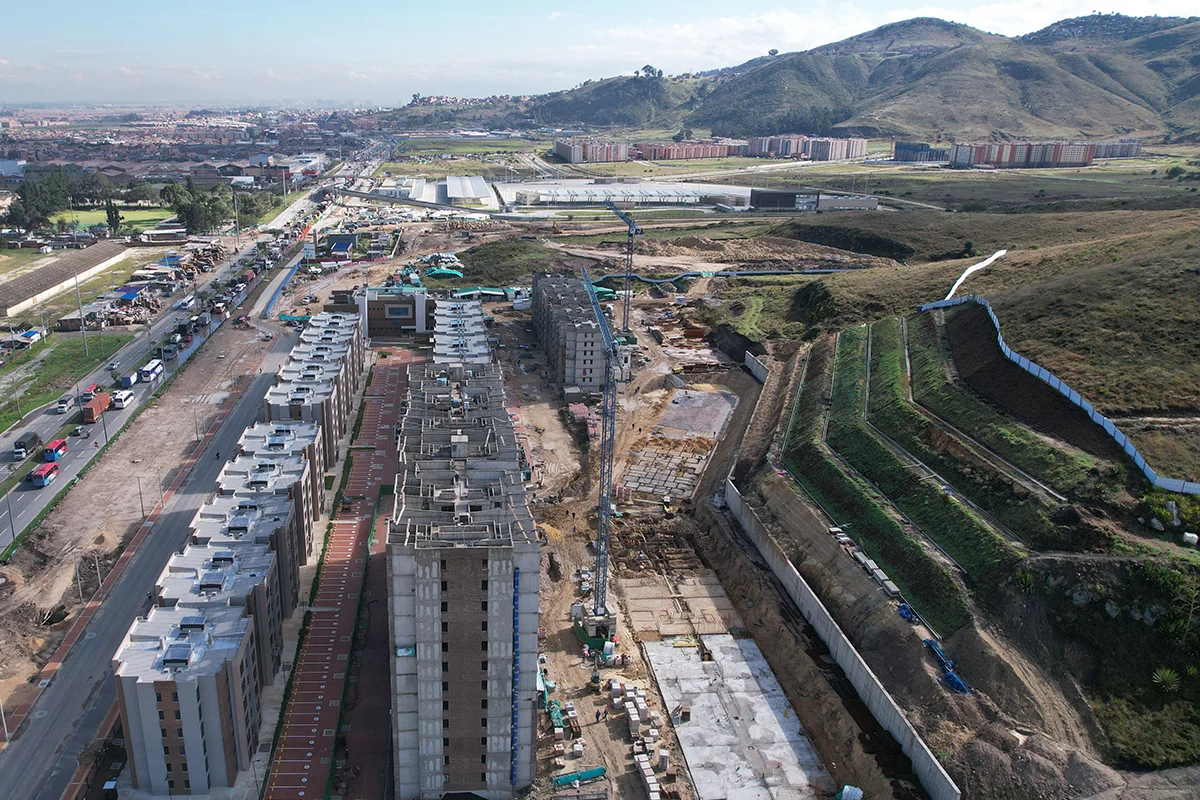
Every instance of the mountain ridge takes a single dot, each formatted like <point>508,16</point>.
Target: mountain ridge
<point>1102,76</point>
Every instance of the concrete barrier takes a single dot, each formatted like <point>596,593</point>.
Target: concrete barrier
<point>758,368</point>
<point>1054,382</point>
<point>932,775</point>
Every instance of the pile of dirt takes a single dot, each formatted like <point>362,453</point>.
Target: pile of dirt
<point>763,250</point>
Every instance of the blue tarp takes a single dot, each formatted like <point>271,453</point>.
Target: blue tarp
<point>131,296</point>
<point>340,247</point>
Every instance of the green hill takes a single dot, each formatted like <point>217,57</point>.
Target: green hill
<point>1097,77</point>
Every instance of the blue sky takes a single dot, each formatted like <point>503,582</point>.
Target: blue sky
<point>218,51</point>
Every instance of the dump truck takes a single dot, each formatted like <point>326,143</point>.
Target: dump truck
<point>93,408</point>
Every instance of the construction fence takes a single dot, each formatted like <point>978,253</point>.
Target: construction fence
<point>933,777</point>
<point>1052,380</point>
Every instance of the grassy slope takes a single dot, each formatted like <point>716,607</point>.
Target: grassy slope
<point>925,583</point>
<point>987,559</point>
<point>500,263</point>
<point>890,412</point>
<point>138,218</point>
<point>1062,467</point>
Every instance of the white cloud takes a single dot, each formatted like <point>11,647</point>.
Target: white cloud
<point>557,15</point>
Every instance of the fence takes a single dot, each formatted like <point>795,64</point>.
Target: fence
<point>933,777</point>
<point>1056,383</point>
<point>758,368</point>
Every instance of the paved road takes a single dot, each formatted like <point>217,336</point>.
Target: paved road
<point>67,716</point>
<point>25,502</point>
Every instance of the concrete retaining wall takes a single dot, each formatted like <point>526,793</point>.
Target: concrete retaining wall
<point>1054,382</point>
<point>933,777</point>
<point>758,368</point>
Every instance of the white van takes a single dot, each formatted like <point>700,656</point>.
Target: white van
<point>122,398</point>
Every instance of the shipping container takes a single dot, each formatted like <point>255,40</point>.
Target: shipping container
<point>93,408</point>
<point>129,380</point>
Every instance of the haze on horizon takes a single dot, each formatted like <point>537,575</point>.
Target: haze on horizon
<point>375,54</point>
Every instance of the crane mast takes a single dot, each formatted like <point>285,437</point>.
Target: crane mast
<point>634,230</point>
<point>608,430</point>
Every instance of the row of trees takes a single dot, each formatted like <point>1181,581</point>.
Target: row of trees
<point>37,201</point>
<point>198,209</point>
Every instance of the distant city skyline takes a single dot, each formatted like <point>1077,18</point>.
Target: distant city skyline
<point>222,53</point>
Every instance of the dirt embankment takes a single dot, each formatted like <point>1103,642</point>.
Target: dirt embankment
<point>41,593</point>
<point>1023,734</point>
<point>762,250</point>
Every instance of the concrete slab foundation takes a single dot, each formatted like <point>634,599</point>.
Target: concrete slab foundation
<point>742,740</point>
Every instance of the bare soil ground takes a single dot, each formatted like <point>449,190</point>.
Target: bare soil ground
<point>90,526</point>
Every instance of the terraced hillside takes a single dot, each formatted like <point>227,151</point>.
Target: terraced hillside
<point>982,520</point>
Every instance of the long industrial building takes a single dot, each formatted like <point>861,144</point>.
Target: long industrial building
<point>463,574</point>
<point>191,672</point>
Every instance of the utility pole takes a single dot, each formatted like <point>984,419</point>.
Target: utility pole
<point>82,319</point>
<point>141,499</point>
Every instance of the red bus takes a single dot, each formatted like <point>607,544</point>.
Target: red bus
<point>90,392</point>
<point>55,450</point>
<point>44,475</point>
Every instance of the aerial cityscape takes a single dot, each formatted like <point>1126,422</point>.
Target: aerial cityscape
<point>702,403</point>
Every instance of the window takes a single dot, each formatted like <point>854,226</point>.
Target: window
<point>170,785</point>
<point>166,750</point>
<point>445,627</point>
<point>483,665</point>
<point>483,777</point>
<point>161,715</point>
<point>483,741</point>
<point>177,714</point>
<point>182,750</point>
<point>179,733</point>
<point>445,742</point>
<point>483,758</point>
<point>158,697</point>
<point>445,686</point>
<point>483,563</point>
<point>443,565</point>
<point>483,645</point>
<point>445,647</point>
<point>170,766</point>
<point>483,703</point>
<point>445,705</point>
<point>483,722</point>
<point>483,606</point>
<point>445,724</point>
<point>445,666</point>
<point>445,761</point>
<point>183,767</point>
<point>483,585</point>
<point>164,732</point>
<point>174,697</point>
<point>187,784</point>
<point>445,606</point>
<point>484,625</point>
<point>444,586</point>
<point>483,686</point>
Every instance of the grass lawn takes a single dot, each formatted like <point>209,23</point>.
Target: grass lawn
<point>138,218</point>
<point>60,362</point>
<point>500,263</point>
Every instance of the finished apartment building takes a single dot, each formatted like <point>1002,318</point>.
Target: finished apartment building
<point>463,573</point>
<point>190,673</point>
<point>590,151</point>
<point>188,690</point>
<point>814,148</point>
<point>1040,154</point>
<point>321,378</point>
<point>284,441</point>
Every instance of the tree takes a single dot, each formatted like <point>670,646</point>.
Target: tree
<point>112,216</point>
<point>685,133</point>
<point>141,192</point>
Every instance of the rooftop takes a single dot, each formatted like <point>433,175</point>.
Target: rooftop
<point>180,643</point>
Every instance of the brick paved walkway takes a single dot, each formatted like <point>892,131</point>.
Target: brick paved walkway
<point>304,759</point>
